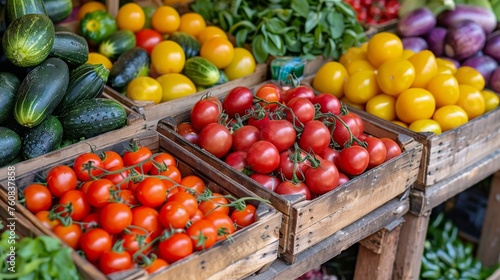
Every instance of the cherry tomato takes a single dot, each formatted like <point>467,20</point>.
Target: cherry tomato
<point>187,130</point>
<point>415,104</point>
<point>187,200</point>
<point>79,204</point>
<point>450,116</point>
<point>85,162</point>
<point>43,217</point>
<point>147,39</point>
<point>330,79</point>
<point>299,91</point>
<point>444,88</point>
<point>172,177</point>
<point>69,234</point>
<point>395,75</point>
<point>289,187</point>
<point>292,162</point>
<point>111,159</point>
<point>470,76</point>
<point>280,133</point>
<point>237,160</point>
<point>393,149</point>
<point>138,154</point>
<point>244,137</point>
<point>147,218</point>
<point>112,261</point>
<point>91,221</point>
<point>115,217</point>
<point>203,234</point>
<point>152,192</point>
<point>259,121</point>
<point>174,214</point>
<point>323,178</point>
<point>331,155</point>
<point>99,192</point>
<point>223,224</point>
<point>37,198</point>
<point>267,181</point>
<point>341,134</point>
<point>329,103</point>
<point>216,203</point>
<point>471,100</point>
<point>157,265</point>
<point>127,197</point>
<point>238,101</point>
<point>425,68</point>
<point>216,139</point>
<point>162,159</point>
<point>354,160</point>
<point>377,151</point>
<point>118,175</point>
<point>131,17</point>
<point>301,110</point>
<point>176,247</point>
<point>269,92</point>
<point>383,46</point>
<point>245,217</point>
<point>94,243</point>
<point>425,125</point>
<point>203,112</point>
<point>382,106</point>
<point>243,64</point>
<point>315,137</point>
<point>491,100</point>
<point>136,239</point>
<point>263,157</point>
<point>193,183</point>
<point>361,86</point>
<point>60,180</point>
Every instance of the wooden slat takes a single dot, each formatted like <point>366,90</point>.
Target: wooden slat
<point>489,243</point>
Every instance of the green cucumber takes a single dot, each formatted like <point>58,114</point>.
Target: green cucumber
<point>58,10</point>
<point>70,47</point>
<point>131,64</point>
<point>28,40</point>
<point>97,26</point>
<point>10,145</point>
<point>41,91</point>
<point>17,8</point>
<point>222,79</point>
<point>118,43</point>
<point>201,71</point>
<point>9,84</point>
<point>189,44</point>
<point>85,82</point>
<point>44,138</point>
<point>92,117</point>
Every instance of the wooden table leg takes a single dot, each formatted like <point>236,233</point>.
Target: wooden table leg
<point>377,253</point>
<point>411,246</point>
<point>489,243</point>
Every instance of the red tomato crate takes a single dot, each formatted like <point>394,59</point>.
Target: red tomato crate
<point>250,249</point>
<point>305,223</point>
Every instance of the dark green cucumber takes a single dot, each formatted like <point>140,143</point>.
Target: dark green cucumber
<point>17,8</point>
<point>10,145</point>
<point>201,71</point>
<point>44,138</point>
<point>70,47</point>
<point>41,91</point>
<point>189,44</point>
<point>9,84</point>
<point>222,78</point>
<point>85,82</point>
<point>92,117</point>
<point>118,43</point>
<point>58,10</point>
<point>131,64</point>
<point>28,40</point>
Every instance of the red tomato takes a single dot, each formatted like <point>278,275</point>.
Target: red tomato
<point>300,109</point>
<point>354,160</point>
<point>238,101</point>
<point>136,239</point>
<point>118,176</point>
<point>87,162</point>
<point>203,234</point>
<point>79,204</point>
<point>223,224</point>
<point>343,178</point>
<point>293,162</point>
<point>115,217</point>
<point>94,243</point>
<point>138,154</point>
<point>288,187</point>
<point>203,112</point>
<point>329,103</point>
<point>126,197</point>
<point>245,217</point>
<point>147,218</point>
<point>237,160</point>
<point>331,155</point>
<point>112,159</point>
<point>341,134</point>
<point>187,130</point>
<point>43,217</point>
<point>157,265</point>
<point>152,192</point>
<point>176,247</point>
<point>259,120</point>
<point>393,149</point>
<point>198,216</point>
<point>300,91</point>
<point>193,183</point>
<point>269,93</point>
<point>267,181</point>
<point>173,214</point>
<point>280,133</point>
<point>112,261</point>
<point>323,178</point>
<point>216,139</point>
<point>162,159</point>
<point>216,203</point>
<point>99,192</point>
<point>377,150</point>
<point>69,234</point>
<point>37,198</point>
<point>60,180</point>
<point>263,157</point>
<point>147,39</point>
<point>244,137</point>
<point>91,221</point>
<point>187,200</point>
<point>315,137</point>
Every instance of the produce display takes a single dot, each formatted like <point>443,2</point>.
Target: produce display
<point>375,12</point>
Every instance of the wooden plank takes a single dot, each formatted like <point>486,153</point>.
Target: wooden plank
<point>424,201</point>
<point>489,243</point>
<point>411,246</point>
<point>378,265</point>
<point>495,275</point>
<point>336,243</point>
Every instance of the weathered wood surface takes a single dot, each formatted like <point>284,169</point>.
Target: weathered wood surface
<point>489,243</point>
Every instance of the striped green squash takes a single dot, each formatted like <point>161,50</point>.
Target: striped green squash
<point>28,40</point>
<point>118,43</point>
<point>9,84</point>
<point>58,10</point>
<point>17,8</point>
<point>201,71</point>
<point>70,47</point>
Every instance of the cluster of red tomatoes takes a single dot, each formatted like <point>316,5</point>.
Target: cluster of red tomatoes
<point>290,140</point>
<point>375,11</point>
<point>135,209</point>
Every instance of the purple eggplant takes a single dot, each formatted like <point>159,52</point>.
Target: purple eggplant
<point>482,16</point>
<point>492,46</point>
<point>494,81</point>
<point>464,39</point>
<point>435,40</point>
<point>417,22</point>
<point>484,64</point>
<point>416,44</point>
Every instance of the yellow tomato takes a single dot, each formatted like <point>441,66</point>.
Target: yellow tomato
<point>425,67</point>
<point>444,70</point>
<point>359,65</point>
<point>415,104</point>
<point>407,54</point>
<point>97,58</point>
<point>470,76</point>
<point>491,100</point>
<point>243,64</point>
<point>218,50</point>
<point>90,7</point>
<point>165,20</point>
<point>471,100</point>
<point>352,54</point>
<point>209,32</point>
<point>395,75</point>
<point>192,23</point>
<point>175,85</point>
<point>382,106</point>
<point>425,125</point>
<point>330,78</point>
<point>443,62</point>
<point>383,46</point>
<point>361,86</point>
<point>131,17</point>
<point>144,89</point>
<point>167,57</point>
<point>348,102</point>
<point>450,116</point>
<point>364,46</point>
<point>444,87</point>
<point>400,123</point>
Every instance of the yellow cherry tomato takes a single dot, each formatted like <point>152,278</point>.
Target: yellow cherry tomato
<point>425,67</point>
<point>444,87</point>
<point>364,46</point>
<point>470,76</point>
<point>348,102</point>
<point>415,104</point>
<point>165,20</point>
<point>131,17</point>
<point>471,100</point>
<point>330,78</point>
<point>426,125</point>
<point>400,123</point>
<point>450,116</point>
<point>192,23</point>
<point>209,32</point>
<point>359,65</point>
<point>443,62</point>
<point>491,100</point>
<point>395,75</point>
<point>243,64</point>
<point>175,85</point>
<point>382,106</point>
<point>218,50</point>
<point>167,57</point>
<point>407,54</point>
<point>352,54</point>
<point>444,70</point>
<point>98,58</point>
<point>144,89</point>
<point>383,46</point>
<point>361,86</point>
<point>90,7</point>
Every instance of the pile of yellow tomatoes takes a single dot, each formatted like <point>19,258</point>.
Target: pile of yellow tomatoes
<point>416,90</point>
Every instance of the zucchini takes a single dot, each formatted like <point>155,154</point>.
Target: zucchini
<point>201,71</point>
<point>85,82</point>
<point>97,25</point>
<point>10,145</point>
<point>189,44</point>
<point>50,78</point>
<point>118,43</point>
<point>70,47</point>
<point>131,64</point>
<point>17,8</point>
<point>58,10</point>
<point>9,84</point>
<point>28,40</point>
<point>44,138</point>
<point>92,117</point>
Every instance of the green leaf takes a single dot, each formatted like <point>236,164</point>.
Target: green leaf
<point>248,13</point>
<point>51,244</point>
<point>242,24</point>
<point>276,26</point>
<point>346,9</point>
<point>318,37</point>
<point>284,14</point>
<point>301,7</point>
<point>291,42</point>
<point>306,38</point>
<point>259,49</point>
<point>336,22</point>
<point>235,6</point>
<point>276,42</point>
<point>241,37</point>
<point>225,20</point>
<point>312,21</point>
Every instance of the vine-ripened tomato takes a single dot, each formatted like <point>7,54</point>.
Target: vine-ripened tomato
<point>118,175</point>
<point>111,159</point>
<point>216,203</point>
<point>330,79</point>
<point>393,149</point>
<point>203,112</point>
<point>131,17</point>
<point>329,103</point>
<point>193,183</point>
<point>216,139</point>
<point>85,162</point>
<point>147,39</point>
<point>137,154</point>
<point>280,133</point>
<point>267,181</point>
<point>292,162</point>
<point>270,93</point>
<point>237,101</point>
<point>415,104</point>
<point>290,187</point>
<point>354,160</point>
<point>315,137</point>
<point>300,109</point>
<point>331,155</point>
<point>172,176</point>
<point>187,200</point>
<point>43,217</point>
<point>112,261</point>
<point>322,178</point>
<point>135,239</point>
<point>203,234</point>
<point>299,91</point>
<point>173,214</point>
<point>115,217</point>
<point>163,159</point>
<point>151,192</point>
<point>79,204</point>
<point>37,197</point>
<point>343,178</point>
<point>260,120</point>
<point>245,217</point>
<point>126,197</point>
<point>263,157</point>
<point>94,243</point>
<point>237,160</point>
<point>244,137</point>
<point>341,134</point>
<point>187,131</point>
<point>157,265</point>
<point>60,180</point>
<point>147,218</point>
<point>222,223</point>
<point>99,192</point>
<point>176,247</point>
<point>377,151</point>
<point>70,234</point>
<point>90,221</point>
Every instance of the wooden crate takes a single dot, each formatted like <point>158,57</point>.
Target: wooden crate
<point>306,223</point>
<point>135,123</point>
<point>257,243</point>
